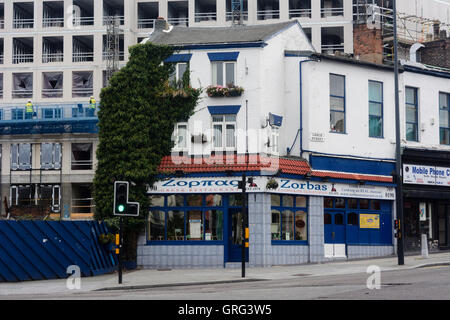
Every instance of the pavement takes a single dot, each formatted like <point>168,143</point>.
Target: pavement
<point>149,278</point>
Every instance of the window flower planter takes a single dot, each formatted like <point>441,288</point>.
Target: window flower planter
<point>221,91</point>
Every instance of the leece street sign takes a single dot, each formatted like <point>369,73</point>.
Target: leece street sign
<point>285,186</point>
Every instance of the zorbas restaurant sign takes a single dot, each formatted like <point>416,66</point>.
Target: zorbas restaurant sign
<point>285,186</point>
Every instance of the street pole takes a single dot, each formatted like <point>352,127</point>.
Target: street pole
<point>120,248</point>
<point>398,155</point>
<point>244,210</point>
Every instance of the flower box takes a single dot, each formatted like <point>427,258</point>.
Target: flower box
<point>221,91</point>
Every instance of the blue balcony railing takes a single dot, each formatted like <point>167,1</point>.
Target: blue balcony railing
<point>58,118</point>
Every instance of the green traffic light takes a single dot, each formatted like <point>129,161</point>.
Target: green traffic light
<point>121,208</point>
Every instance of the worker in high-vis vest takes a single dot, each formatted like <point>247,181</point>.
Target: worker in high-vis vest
<point>29,110</point>
<point>92,106</point>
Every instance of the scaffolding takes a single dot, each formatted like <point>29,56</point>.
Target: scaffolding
<point>410,28</point>
<point>112,53</point>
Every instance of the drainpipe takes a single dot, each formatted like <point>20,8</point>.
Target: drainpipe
<point>301,102</point>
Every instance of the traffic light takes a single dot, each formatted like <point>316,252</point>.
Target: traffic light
<point>133,209</point>
<point>120,197</point>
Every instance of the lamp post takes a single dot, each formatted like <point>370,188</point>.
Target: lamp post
<point>398,155</point>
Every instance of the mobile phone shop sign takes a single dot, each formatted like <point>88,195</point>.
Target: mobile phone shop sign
<point>426,175</point>
<point>284,185</point>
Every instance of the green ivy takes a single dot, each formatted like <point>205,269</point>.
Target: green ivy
<point>136,120</point>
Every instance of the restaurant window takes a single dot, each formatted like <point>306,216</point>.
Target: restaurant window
<point>192,217</point>
<point>289,218</point>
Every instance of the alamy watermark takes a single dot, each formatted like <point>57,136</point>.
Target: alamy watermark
<point>73,282</point>
<point>374,280</point>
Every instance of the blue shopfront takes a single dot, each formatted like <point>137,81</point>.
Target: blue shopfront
<point>198,222</point>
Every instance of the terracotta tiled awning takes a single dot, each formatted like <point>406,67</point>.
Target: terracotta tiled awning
<point>241,163</point>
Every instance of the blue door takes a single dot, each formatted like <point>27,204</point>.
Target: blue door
<point>334,224</point>
<point>234,232</point>
<point>334,234</point>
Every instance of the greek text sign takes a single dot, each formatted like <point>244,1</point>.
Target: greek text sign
<point>426,175</point>
<point>284,185</point>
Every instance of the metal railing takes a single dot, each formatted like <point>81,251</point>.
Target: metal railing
<point>82,56</point>
<point>22,58</point>
<point>146,23</point>
<point>107,19</point>
<point>205,16</point>
<point>52,93</point>
<point>300,13</point>
<point>52,57</point>
<point>179,21</point>
<point>48,111</point>
<point>2,23</point>
<point>83,206</point>
<point>331,48</point>
<point>82,92</point>
<point>23,23</point>
<point>229,15</point>
<point>81,164</point>
<point>267,14</point>
<point>1,58</point>
<point>53,22</point>
<point>331,12</point>
<point>121,55</point>
<point>83,21</point>
<point>22,94</point>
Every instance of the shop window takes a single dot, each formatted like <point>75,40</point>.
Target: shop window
<point>156,201</point>
<point>327,218</point>
<point>194,225</point>
<point>194,200</point>
<point>188,224</point>
<point>328,202</point>
<point>275,200</point>
<point>175,200</point>
<point>352,219</point>
<point>375,205</point>
<point>288,223</point>
<point>214,224</point>
<point>300,202</point>
<point>338,219</point>
<point>213,200</point>
<point>364,204</point>
<point>287,227</point>
<point>352,203</point>
<point>175,225</point>
<point>275,227</point>
<point>339,203</point>
<point>235,200</point>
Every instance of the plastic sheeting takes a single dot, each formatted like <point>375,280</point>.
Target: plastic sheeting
<point>22,85</point>
<point>52,85</point>
<point>82,84</point>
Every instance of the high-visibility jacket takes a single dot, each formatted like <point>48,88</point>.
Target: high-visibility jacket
<point>92,103</point>
<point>29,107</point>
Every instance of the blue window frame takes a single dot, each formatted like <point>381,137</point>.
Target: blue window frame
<point>444,118</point>
<point>337,103</point>
<point>375,109</point>
<point>289,219</point>
<point>188,218</point>
<point>412,114</point>
<point>51,113</point>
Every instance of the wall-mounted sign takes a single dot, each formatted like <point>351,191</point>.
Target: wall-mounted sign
<point>426,175</point>
<point>369,221</point>
<point>285,186</point>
